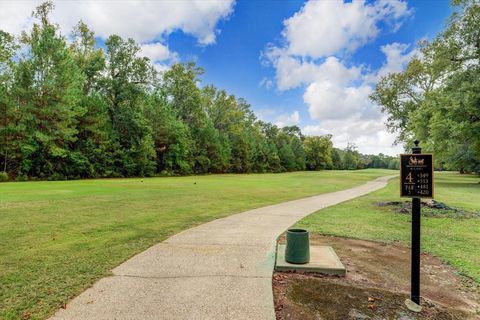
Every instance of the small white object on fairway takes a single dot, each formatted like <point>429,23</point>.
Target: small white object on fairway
<point>218,270</point>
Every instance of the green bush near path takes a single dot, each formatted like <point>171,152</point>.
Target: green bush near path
<point>58,237</point>
<point>456,241</point>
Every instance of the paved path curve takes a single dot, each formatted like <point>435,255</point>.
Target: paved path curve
<point>218,270</point>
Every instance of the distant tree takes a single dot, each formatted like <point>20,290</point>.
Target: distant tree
<point>214,153</point>
<point>318,151</point>
<point>299,153</point>
<point>242,138</point>
<point>352,159</point>
<point>267,159</point>
<point>9,130</point>
<point>337,159</point>
<point>91,154</point>
<point>285,152</point>
<point>125,86</point>
<point>180,85</point>
<point>48,91</point>
<point>296,144</point>
<point>171,137</point>
<point>394,163</point>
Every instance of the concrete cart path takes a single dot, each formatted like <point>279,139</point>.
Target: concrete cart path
<point>218,270</point>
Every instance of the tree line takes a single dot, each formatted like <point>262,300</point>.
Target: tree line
<point>437,98</point>
<point>70,109</point>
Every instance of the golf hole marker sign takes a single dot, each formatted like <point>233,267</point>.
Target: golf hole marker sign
<point>416,181</point>
<point>416,175</point>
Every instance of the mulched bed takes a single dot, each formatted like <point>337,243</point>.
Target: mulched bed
<point>376,286</point>
<point>430,208</point>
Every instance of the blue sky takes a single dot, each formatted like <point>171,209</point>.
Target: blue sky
<point>309,63</point>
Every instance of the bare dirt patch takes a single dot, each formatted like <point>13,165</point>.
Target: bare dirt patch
<point>375,287</point>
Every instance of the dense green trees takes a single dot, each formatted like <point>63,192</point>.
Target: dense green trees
<point>90,152</point>
<point>8,127</point>
<point>319,153</point>
<point>47,91</point>
<point>437,98</point>
<point>72,110</point>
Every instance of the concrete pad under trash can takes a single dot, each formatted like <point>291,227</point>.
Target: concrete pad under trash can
<point>323,259</point>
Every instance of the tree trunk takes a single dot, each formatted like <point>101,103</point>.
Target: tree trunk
<point>5,140</point>
<point>5,160</point>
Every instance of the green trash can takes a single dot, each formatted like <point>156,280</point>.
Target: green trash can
<point>298,246</point>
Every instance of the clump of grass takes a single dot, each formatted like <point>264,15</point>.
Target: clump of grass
<point>431,209</point>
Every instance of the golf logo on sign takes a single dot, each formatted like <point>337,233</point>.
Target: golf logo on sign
<point>416,175</point>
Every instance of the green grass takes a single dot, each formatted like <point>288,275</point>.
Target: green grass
<point>57,238</point>
<point>456,241</point>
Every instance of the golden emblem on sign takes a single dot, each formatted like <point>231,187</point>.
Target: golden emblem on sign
<point>413,161</point>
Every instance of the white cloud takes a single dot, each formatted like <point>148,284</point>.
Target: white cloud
<point>161,67</point>
<point>323,28</point>
<point>266,83</point>
<point>328,100</point>
<point>16,16</point>
<point>369,135</point>
<point>265,114</point>
<point>143,21</point>
<point>397,56</point>
<point>336,92</point>
<point>149,22</point>
<point>157,52</point>
<point>342,107</point>
<point>292,72</point>
<point>286,119</point>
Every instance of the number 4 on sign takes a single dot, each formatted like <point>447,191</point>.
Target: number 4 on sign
<point>409,178</point>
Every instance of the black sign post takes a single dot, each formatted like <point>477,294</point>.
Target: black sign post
<point>416,181</point>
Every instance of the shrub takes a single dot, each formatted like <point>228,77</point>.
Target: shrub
<point>3,176</point>
<point>21,177</point>
<point>57,177</point>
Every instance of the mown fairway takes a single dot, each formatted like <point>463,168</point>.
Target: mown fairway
<point>455,240</point>
<point>57,238</point>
